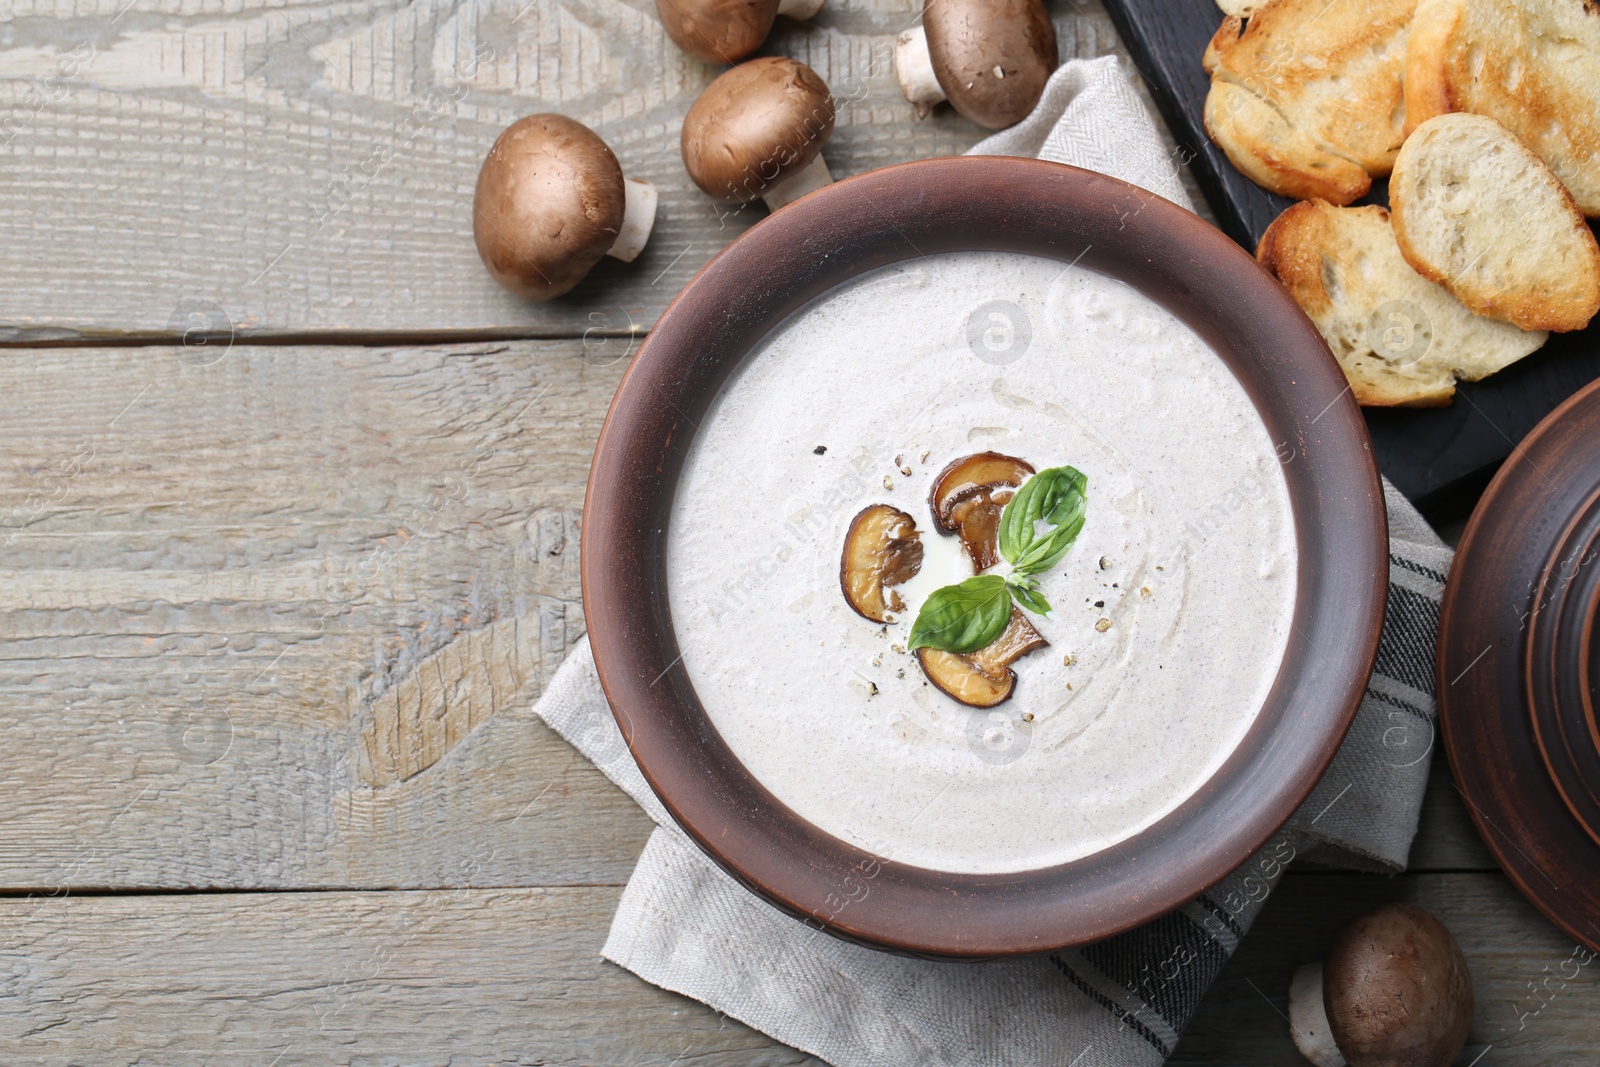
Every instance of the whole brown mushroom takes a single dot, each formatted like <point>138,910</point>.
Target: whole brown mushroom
<point>1394,992</point>
<point>989,58</point>
<point>758,131</point>
<point>725,31</point>
<point>551,200</point>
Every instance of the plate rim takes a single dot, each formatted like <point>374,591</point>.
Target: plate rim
<point>1484,732</point>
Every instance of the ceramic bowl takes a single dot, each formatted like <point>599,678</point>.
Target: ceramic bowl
<point>1042,209</point>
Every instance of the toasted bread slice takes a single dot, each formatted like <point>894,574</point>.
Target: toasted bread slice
<point>1476,211</point>
<point>1275,155</point>
<point>1532,65</point>
<point>1232,26</point>
<point>1241,9</point>
<point>1401,339</point>
<point>1307,99</point>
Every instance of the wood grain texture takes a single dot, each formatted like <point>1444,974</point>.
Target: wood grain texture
<point>250,562</point>
<point>279,620</point>
<point>274,618</point>
<point>307,168</point>
<point>513,976</point>
<point>420,978</point>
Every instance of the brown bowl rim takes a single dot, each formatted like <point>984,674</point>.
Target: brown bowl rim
<point>1075,216</point>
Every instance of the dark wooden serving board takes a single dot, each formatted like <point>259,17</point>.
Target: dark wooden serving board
<point>1442,457</point>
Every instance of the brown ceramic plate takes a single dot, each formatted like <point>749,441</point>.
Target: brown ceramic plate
<point>1517,666</point>
<point>1060,213</point>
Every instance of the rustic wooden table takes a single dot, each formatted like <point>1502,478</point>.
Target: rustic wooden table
<point>276,602</point>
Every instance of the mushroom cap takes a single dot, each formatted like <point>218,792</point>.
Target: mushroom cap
<point>549,203</point>
<point>969,39</point>
<point>754,126</point>
<point>717,31</point>
<point>1397,991</point>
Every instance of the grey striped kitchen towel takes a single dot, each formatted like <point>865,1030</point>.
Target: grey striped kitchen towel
<point>686,926</point>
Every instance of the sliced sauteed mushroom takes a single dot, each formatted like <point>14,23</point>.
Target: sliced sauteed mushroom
<point>725,31</point>
<point>983,678</point>
<point>1394,992</point>
<point>882,550</point>
<point>991,58</point>
<point>968,497</point>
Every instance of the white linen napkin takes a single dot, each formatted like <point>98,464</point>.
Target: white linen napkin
<point>686,926</point>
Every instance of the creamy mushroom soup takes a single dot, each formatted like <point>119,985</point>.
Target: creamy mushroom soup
<point>1171,611</point>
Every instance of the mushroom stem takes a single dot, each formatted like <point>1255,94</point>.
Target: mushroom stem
<point>808,179</point>
<point>914,67</point>
<point>799,10</point>
<point>638,218</point>
<point>1308,1018</point>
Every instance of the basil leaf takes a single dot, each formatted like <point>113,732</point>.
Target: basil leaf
<point>964,617</point>
<point>1040,523</point>
<point>1030,597</point>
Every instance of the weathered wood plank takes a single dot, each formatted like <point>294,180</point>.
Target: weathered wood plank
<point>450,977</point>
<point>307,167</point>
<point>478,975</point>
<point>1537,995</point>
<point>1446,839</point>
<point>279,620</point>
